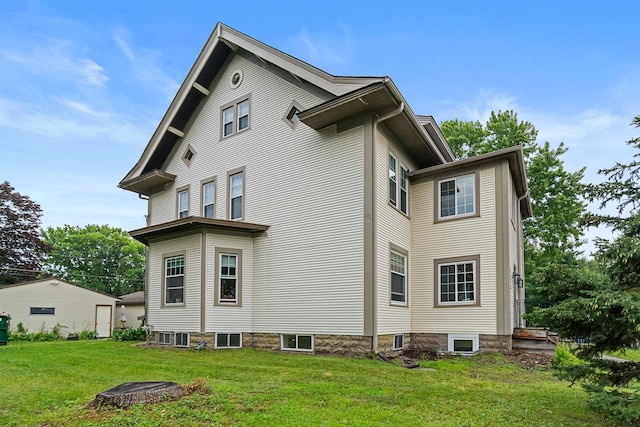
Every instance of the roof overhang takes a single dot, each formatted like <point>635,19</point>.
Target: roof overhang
<point>515,157</point>
<point>148,183</point>
<point>380,98</point>
<point>193,224</point>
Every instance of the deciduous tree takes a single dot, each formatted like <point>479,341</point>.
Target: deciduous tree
<point>21,248</point>
<point>97,256</point>
<point>553,234</point>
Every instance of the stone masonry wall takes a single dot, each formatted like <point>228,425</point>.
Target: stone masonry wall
<point>349,345</point>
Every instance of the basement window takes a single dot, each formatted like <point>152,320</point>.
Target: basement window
<point>398,341</point>
<point>464,343</point>
<point>182,339</point>
<point>164,338</point>
<point>226,340</point>
<point>297,342</point>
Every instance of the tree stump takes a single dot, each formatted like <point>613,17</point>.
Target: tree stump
<point>128,394</point>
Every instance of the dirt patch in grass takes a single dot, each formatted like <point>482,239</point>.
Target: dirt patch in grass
<point>530,361</point>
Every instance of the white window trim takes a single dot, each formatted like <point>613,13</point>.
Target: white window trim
<point>475,260</point>
<point>438,192</point>
<point>475,338</point>
<point>400,169</point>
<point>405,258</point>
<point>283,348</point>
<point>234,106</point>
<point>164,278</point>
<point>230,175</point>
<point>222,277</point>
<point>218,276</point>
<point>204,182</point>
<point>179,191</point>
<point>168,335</point>
<point>228,334</point>
<point>175,339</point>
<point>401,336</point>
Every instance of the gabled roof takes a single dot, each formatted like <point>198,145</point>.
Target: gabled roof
<point>132,298</point>
<point>344,97</point>
<point>55,281</point>
<point>221,44</point>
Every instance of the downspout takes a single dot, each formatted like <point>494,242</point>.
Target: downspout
<point>376,122</point>
<point>520,294</point>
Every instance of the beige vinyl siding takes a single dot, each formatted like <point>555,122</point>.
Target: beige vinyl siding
<point>75,307</point>
<point>230,318</point>
<point>309,266</point>
<point>462,237</point>
<point>393,228</point>
<point>132,312</point>
<point>179,318</point>
<point>306,185</point>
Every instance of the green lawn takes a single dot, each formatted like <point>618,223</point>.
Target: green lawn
<point>51,384</point>
<point>630,354</point>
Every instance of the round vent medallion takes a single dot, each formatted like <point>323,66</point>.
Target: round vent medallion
<point>236,79</point>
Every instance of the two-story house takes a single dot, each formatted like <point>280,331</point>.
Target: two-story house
<point>291,209</point>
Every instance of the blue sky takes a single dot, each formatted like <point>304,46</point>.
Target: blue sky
<point>83,84</point>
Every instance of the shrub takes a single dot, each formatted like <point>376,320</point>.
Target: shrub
<point>138,334</point>
<point>22,334</point>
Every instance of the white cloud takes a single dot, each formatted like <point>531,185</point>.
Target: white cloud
<point>145,68</point>
<point>57,57</point>
<point>70,120</point>
<point>323,49</point>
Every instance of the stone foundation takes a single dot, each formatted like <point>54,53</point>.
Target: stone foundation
<point>345,345</point>
<point>440,342</point>
<point>429,342</point>
<point>348,345</point>
<point>496,343</point>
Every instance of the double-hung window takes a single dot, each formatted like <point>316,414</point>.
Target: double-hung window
<point>208,199</point>
<point>228,278</point>
<point>398,278</point>
<point>457,281</point>
<point>398,185</point>
<point>236,116</point>
<point>183,203</point>
<point>457,196</point>
<point>236,195</point>
<point>174,280</point>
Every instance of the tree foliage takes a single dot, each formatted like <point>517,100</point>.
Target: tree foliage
<point>21,249</point>
<point>96,256</point>
<point>502,130</point>
<point>553,234</point>
<point>604,307</point>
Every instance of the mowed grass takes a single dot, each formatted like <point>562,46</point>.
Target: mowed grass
<point>50,384</point>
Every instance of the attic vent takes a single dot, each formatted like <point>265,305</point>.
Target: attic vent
<point>236,79</point>
<point>188,155</point>
<point>291,117</point>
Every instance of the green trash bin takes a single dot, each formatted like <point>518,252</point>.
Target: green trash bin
<point>4,328</point>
